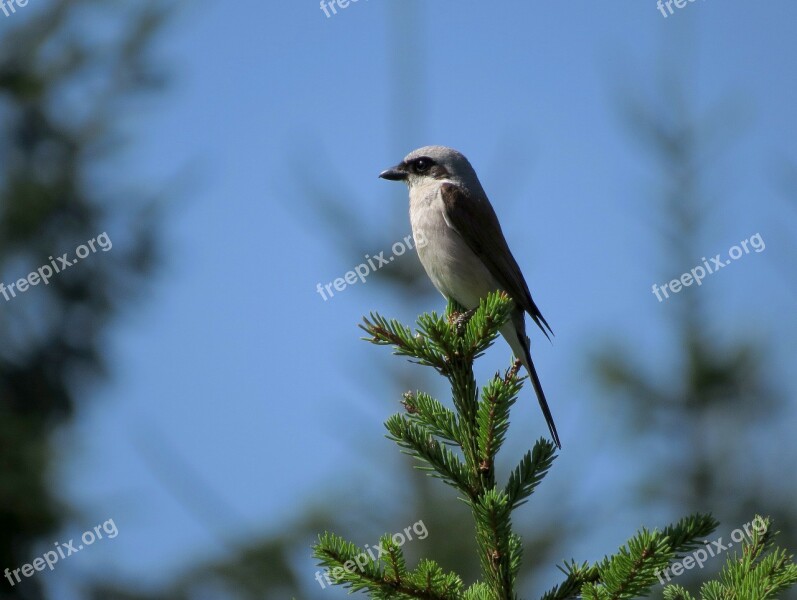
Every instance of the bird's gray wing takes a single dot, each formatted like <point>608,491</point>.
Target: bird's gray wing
<point>475,220</point>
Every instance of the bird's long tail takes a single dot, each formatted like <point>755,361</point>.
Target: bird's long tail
<point>516,336</point>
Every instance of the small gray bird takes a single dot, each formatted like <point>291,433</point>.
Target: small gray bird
<point>465,253</point>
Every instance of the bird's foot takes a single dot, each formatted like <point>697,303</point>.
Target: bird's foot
<point>512,371</point>
<point>460,319</point>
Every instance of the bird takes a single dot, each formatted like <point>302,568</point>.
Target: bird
<point>465,253</point>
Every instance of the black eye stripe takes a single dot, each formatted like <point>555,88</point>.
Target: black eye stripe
<point>423,164</point>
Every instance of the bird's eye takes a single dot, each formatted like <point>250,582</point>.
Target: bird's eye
<point>422,165</point>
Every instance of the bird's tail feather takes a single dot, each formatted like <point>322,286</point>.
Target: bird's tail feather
<point>535,382</point>
<point>520,346</point>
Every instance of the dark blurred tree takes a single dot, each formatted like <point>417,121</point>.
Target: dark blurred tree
<point>705,416</point>
<point>64,84</point>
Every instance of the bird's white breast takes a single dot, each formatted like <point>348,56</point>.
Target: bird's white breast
<point>453,267</point>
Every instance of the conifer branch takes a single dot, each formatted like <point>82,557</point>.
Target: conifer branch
<point>530,472</point>
<point>441,421</point>
<point>460,446</point>
<point>384,577</point>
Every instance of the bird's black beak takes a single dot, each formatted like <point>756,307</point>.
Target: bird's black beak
<point>396,173</point>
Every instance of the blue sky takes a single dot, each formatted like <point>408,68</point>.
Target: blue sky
<point>235,358</point>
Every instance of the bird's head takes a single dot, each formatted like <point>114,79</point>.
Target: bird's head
<point>432,164</point>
